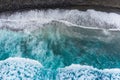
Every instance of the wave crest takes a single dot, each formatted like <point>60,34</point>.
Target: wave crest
<point>16,68</point>
<point>79,72</point>
<point>26,69</point>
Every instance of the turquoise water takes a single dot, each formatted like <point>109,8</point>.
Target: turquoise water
<point>57,50</point>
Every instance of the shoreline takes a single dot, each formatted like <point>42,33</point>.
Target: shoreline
<point>23,5</point>
<point>81,8</point>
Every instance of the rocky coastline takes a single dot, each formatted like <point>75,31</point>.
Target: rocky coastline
<point>102,5</point>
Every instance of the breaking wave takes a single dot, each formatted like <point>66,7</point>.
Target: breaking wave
<point>57,44</point>
<point>18,68</point>
<point>21,68</point>
<point>89,18</point>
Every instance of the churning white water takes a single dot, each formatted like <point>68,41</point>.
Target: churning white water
<point>89,18</point>
<point>58,44</point>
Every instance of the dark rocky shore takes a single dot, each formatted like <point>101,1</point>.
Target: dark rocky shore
<point>104,5</point>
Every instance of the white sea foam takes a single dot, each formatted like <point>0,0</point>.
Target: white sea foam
<point>82,72</point>
<point>93,21</point>
<point>35,18</point>
<point>27,69</point>
<point>16,68</point>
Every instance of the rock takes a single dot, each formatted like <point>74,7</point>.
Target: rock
<point>11,5</point>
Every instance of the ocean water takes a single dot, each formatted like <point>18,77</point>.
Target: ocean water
<point>60,45</point>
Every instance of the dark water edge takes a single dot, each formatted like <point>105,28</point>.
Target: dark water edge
<point>11,6</point>
<point>78,7</point>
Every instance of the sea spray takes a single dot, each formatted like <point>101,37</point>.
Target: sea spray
<point>71,37</point>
